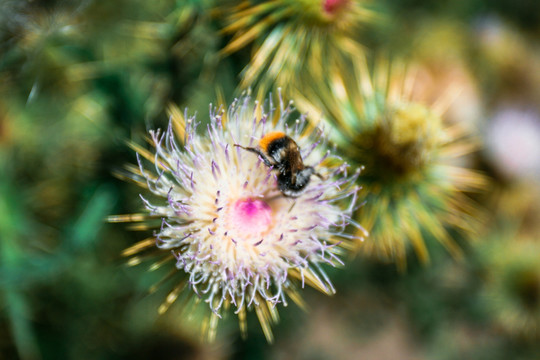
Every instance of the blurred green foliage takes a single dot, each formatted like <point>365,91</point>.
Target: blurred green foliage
<point>80,78</point>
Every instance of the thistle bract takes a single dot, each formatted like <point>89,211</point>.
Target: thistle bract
<point>295,41</point>
<point>411,156</point>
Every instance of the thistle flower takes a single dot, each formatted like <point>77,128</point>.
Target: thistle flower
<point>295,38</point>
<point>416,188</point>
<point>513,142</point>
<point>236,240</point>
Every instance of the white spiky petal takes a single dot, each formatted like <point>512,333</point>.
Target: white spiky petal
<point>208,184</point>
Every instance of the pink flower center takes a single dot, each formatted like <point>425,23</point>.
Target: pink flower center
<point>332,6</point>
<point>250,217</point>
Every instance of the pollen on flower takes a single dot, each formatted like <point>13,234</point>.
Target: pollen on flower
<point>249,217</point>
<point>237,240</point>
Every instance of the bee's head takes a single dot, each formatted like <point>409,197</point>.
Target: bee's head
<point>303,176</point>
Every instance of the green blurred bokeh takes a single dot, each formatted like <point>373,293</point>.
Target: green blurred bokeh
<point>79,79</point>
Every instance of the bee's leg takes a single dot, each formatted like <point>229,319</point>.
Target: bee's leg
<point>264,158</point>
<point>315,173</point>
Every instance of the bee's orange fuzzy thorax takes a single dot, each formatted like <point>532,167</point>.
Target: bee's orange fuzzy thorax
<point>269,137</point>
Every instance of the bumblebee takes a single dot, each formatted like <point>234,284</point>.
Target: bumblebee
<point>279,151</point>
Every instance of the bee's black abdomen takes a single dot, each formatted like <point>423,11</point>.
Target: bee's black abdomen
<point>291,189</point>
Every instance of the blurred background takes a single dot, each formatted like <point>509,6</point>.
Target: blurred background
<point>81,78</point>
